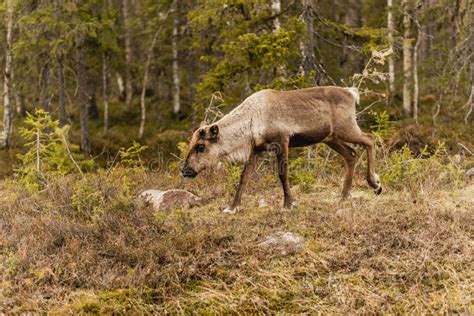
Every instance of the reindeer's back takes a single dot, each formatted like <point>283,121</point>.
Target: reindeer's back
<point>301,110</point>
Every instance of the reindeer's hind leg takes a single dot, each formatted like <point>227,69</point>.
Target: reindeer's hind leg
<point>356,136</point>
<point>349,156</point>
<point>282,156</point>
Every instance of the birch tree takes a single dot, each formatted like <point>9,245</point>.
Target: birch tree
<point>5,138</point>
<point>174,48</point>
<point>407,59</point>
<point>128,52</point>
<point>391,61</point>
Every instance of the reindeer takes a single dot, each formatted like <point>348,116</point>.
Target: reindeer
<point>271,120</point>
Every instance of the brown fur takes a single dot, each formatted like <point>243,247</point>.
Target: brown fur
<point>271,120</point>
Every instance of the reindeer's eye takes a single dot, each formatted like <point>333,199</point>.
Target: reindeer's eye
<point>200,148</point>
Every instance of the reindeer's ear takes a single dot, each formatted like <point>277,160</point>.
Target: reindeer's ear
<point>214,131</point>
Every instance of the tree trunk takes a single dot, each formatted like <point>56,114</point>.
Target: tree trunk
<point>5,138</point>
<point>43,85</point>
<point>82,91</point>
<point>144,84</point>
<point>19,98</point>
<point>425,46</point>
<point>128,53</point>
<point>20,104</point>
<point>407,59</point>
<point>92,109</point>
<point>415,75</point>
<point>63,118</point>
<point>174,46</point>
<point>353,19</point>
<point>105,93</point>
<point>308,62</point>
<point>391,60</point>
<point>276,9</point>
<point>121,87</point>
<point>470,102</point>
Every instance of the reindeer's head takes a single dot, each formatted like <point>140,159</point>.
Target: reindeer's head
<point>203,150</point>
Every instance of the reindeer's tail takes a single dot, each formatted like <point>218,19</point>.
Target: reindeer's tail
<point>355,93</point>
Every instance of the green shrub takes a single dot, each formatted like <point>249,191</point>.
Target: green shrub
<point>87,199</point>
<point>49,152</point>
<point>402,169</point>
<point>131,157</point>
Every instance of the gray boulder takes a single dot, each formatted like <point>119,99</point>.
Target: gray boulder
<point>169,199</point>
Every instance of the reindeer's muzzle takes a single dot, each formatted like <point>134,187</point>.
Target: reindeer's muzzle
<point>188,172</point>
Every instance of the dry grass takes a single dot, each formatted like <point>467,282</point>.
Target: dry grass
<point>71,250</point>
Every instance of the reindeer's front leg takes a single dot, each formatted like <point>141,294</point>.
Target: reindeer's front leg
<point>249,167</point>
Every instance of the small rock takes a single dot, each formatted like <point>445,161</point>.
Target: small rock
<point>170,199</point>
<point>262,203</point>
<point>470,173</point>
<point>283,243</point>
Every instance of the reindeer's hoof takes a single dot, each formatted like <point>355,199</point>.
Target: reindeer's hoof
<point>230,210</point>
<point>289,206</point>
<point>345,198</point>
<point>378,190</point>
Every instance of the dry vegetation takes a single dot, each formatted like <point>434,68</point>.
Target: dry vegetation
<point>85,245</point>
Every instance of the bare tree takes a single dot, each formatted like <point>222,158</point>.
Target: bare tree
<point>174,47</point>
<point>407,59</point>
<point>5,138</point>
<point>391,61</point>
<point>128,52</point>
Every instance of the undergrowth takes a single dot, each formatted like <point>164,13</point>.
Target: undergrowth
<point>78,241</point>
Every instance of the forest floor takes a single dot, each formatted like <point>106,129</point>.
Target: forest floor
<point>86,245</point>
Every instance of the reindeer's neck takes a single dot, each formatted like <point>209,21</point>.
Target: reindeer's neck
<point>235,130</point>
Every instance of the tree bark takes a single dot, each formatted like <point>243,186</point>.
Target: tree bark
<point>82,93</point>
<point>128,52</point>
<point>308,62</point>
<point>174,46</point>
<point>407,59</point>
<point>5,138</point>
<point>63,118</point>
<point>391,60</point>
